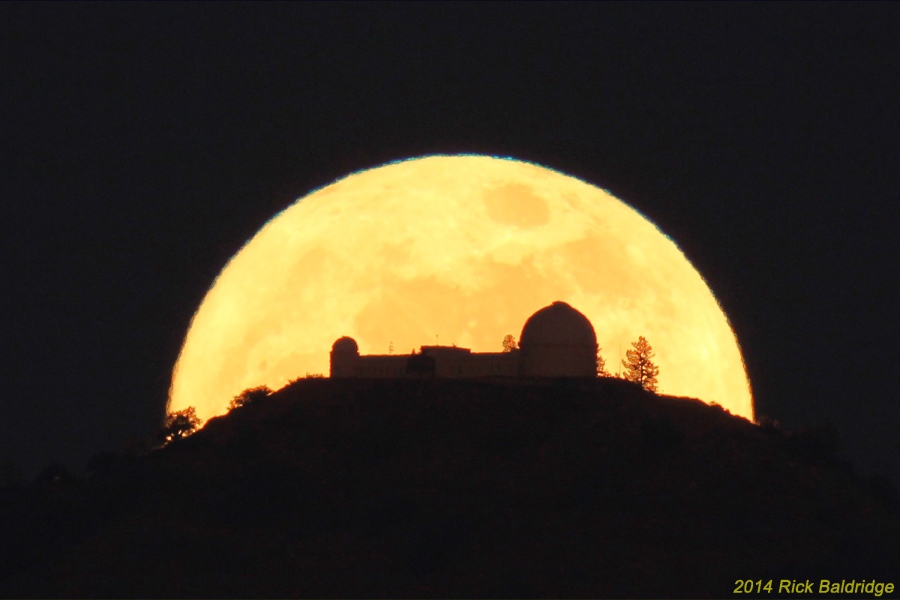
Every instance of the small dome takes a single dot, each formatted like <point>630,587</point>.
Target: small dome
<point>345,345</point>
<point>558,324</point>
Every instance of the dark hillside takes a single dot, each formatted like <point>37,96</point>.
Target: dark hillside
<point>450,488</point>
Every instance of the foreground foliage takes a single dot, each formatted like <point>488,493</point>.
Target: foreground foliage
<point>179,425</point>
<point>250,396</point>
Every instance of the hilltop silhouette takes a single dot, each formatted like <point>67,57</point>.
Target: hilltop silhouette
<point>434,488</point>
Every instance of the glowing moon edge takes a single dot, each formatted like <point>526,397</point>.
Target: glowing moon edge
<point>536,218</point>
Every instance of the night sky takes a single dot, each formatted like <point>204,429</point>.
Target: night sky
<point>144,144</point>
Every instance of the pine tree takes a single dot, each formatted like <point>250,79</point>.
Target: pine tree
<point>639,367</point>
<point>601,365</point>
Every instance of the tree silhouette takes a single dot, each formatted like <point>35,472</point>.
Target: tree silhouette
<point>509,343</point>
<point>179,425</point>
<point>601,365</point>
<point>251,395</point>
<point>639,367</point>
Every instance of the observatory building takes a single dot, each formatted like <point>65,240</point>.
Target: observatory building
<point>556,341</point>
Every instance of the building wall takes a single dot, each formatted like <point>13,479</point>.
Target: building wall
<point>343,363</point>
<point>557,341</point>
<point>381,366</point>
<point>559,361</point>
<point>450,363</point>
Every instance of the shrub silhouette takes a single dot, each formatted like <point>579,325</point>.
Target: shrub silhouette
<point>509,343</point>
<point>179,425</point>
<point>251,396</point>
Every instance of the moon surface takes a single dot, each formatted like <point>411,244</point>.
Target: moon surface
<point>454,250</point>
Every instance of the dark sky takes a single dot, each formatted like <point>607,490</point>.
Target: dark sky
<point>143,144</point>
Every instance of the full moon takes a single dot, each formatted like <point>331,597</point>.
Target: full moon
<point>452,250</point>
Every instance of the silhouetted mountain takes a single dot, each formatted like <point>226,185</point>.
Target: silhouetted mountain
<point>427,488</point>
